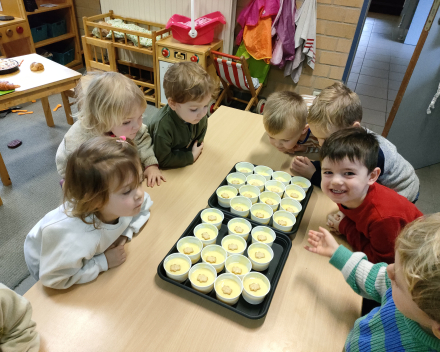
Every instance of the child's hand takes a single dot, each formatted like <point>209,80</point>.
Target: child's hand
<point>333,221</point>
<point>153,176</point>
<point>302,166</point>
<point>115,256</point>
<point>322,243</point>
<point>197,150</point>
<point>121,240</point>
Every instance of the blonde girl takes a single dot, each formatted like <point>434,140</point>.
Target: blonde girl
<point>104,205</point>
<point>110,104</point>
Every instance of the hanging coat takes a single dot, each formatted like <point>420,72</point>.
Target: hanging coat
<point>283,30</point>
<point>258,40</point>
<point>251,14</point>
<point>305,40</point>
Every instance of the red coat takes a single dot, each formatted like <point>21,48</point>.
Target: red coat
<point>373,226</point>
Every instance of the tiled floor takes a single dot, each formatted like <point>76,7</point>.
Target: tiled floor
<point>378,68</point>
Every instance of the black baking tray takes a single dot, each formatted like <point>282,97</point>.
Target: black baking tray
<point>281,248</point>
<point>213,203</point>
<point>12,69</point>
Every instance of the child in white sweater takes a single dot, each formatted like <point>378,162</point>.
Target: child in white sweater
<point>110,104</point>
<point>104,205</point>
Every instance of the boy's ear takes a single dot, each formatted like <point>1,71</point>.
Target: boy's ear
<point>436,329</point>
<point>356,124</point>
<point>306,128</point>
<point>172,104</point>
<point>374,175</point>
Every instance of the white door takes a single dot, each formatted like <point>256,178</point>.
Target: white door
<point>163,67</point>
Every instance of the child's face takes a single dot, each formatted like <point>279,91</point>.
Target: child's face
<point>125,201</point>
<point>402,297</point>
<point>346,182</point>
<point>321,134</point>
<point>131,125</point>
<point>286,140</point>
<point>191,111</point>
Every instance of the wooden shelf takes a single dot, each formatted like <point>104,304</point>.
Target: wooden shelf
<point>47,9</point>
<point>74,63</point>
<point>54,40</point>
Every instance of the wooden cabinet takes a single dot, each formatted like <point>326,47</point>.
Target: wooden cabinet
<point>67,41</point>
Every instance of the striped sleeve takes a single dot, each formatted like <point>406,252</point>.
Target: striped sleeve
<point>369,280</point>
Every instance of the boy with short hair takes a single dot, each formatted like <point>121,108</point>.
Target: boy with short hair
<point>336,108</point>
<point>409,316</point>
<point>178,129</point>
<point>285,121</point>
<point>371,215</point>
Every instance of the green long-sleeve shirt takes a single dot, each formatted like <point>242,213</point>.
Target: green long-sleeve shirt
<point>173,138</point>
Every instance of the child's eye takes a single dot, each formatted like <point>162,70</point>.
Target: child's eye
<point>193,110</point>
<point>327,172</point>
<point>127,193</point>
<point>349,173</point>
<point>126,122</point>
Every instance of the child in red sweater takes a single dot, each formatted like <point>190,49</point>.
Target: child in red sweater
<point>371,215</point>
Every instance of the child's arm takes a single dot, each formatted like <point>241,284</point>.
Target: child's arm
<point>140,219</point>
<point>378,243</point>
<point>17,330</point>
<point>169,158</point>
<point>368,280</point>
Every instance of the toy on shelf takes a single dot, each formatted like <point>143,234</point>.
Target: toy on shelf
<point>107,32</point>
<point>204,28</point>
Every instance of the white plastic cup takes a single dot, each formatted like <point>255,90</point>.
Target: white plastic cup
<point>236,238</point>
<point>267,231</point>
<point>238,258</point>
<point>273,196</point>
<point>260,266</point>
<point>237,221</point>
<point>288,202</point>
<point>241,200</point>
<point>196,285</point>
<point>299,189</point>
<point>263,169</point>
<point>181,276</point>
<point>245,190</point>
<point>216,248</point>
<point>218,222</point>
<point>191,239</point>
<point>258,180</point>
<point>284,214</point>
<point>212,239</point>
<point>236,175</point>
<point>251,296</point>
<point>303,180</point>
<point>234,298</point>
<point>261,206</point>
<point>225,202</point>
<point>282,177</point>
<point>239,168</point>
<point>274,183</point>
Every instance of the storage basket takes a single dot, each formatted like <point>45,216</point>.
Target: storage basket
<point>56,28</point>
<point>39,33</point>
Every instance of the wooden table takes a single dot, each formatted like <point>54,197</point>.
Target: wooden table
<point>130,308</point>
<point>55,78</point>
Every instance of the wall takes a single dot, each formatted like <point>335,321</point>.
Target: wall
<point>85,8</point>
<point>336,25</point>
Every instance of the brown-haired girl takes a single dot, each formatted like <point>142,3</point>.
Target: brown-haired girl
<point>104,205</point>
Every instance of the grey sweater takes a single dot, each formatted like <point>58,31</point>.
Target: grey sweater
<point>398,173</point>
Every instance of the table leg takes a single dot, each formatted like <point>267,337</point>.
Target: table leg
<point>47,111</point>
<point>4,173</point>
<point>67,108</point>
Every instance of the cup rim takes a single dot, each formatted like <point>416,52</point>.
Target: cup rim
<point>234,278</point>
<point>258,190</point>
<point>215,210</point>
<point>256,229</point>
<point>191,270</point>
<point>287,213</point>
<point>271,170</point>
<point>264,277</point>
<point>240,220</point>
<point>238,237</point>
<point>269,249</point>
<point>178,254</point>
<point>226,186</point>
<point>246,199</point>
<point>214,245</point>
<point>272,193</point>
<point>289,199</point>
<point>298,188</point>
<point>265,205</point>
<point>244,162</point>
<point>189,238</point>
<point>278,183</point>
<point>308,183</point>
<point>202,224</point>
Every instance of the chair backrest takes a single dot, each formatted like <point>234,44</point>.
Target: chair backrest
<point>232,72</point>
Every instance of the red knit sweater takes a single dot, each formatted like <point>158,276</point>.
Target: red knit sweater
<point>373,226</point>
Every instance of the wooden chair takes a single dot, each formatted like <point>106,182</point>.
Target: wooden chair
<point>235,73</point>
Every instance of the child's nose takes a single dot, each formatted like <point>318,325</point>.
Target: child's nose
<point>139,193</point>
<point>337,180</point>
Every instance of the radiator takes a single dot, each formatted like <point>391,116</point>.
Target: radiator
<point>160,11</point>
